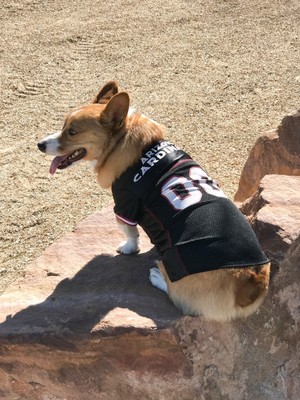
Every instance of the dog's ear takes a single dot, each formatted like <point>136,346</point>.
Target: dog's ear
<point>106,93</point>
<point>115,113</point>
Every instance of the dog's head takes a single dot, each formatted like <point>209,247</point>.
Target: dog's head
<point>90,132</point>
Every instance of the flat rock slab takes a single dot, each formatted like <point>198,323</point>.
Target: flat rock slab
<point>81,285</point>
<point>86,324</point>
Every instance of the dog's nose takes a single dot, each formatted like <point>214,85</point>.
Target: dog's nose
<point>42,146</point>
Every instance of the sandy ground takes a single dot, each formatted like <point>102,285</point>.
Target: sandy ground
<point>216,73</point>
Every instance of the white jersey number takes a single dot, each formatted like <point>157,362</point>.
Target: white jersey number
<point>184,192</point>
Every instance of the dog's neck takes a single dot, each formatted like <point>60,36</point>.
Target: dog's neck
<point>139,133</point>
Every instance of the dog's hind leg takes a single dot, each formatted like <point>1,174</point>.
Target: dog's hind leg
<point>157,279</point>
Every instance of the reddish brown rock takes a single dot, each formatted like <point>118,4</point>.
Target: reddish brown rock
<point>275,152</point>
<point>80,281</point>
<point>253,359</point>
<point>85,323</point>
<point>274,213</point>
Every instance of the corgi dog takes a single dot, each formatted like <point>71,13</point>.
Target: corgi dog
<point>211,263</point>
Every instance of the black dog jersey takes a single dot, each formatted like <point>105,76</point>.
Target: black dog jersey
<point>193,225</point>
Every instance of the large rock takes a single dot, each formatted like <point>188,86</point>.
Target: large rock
<point>79,282</point>
<point>86,324</point>
<point>253,359</point>
<point>275,152</point>
<point>274,213</point>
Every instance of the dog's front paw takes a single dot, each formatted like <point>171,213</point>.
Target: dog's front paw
<point>130,246</point>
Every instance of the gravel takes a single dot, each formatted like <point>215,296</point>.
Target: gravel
<point>215,73</point>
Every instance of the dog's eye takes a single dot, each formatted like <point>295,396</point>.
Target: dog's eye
<point>72,132</point>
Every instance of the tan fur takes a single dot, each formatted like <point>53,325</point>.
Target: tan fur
<point>140,133</point>
<point>220,294</point>
<point>115,139</point>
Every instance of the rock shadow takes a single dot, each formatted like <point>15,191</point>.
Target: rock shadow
<point>78,304</point>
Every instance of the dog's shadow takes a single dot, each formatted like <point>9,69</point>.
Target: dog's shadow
<point>105,283</point>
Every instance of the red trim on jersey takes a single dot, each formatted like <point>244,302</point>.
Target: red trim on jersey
<point>180,162</point>
<point>126,221</point>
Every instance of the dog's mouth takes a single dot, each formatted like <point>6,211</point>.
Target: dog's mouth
<point>62,162</point>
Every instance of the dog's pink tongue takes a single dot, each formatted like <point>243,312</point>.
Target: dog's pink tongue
<point>55,163</point>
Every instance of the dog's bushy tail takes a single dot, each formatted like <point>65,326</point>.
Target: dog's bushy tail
<point>254,286</point>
